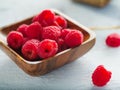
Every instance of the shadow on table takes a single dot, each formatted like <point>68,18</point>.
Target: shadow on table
<point>99,88</point>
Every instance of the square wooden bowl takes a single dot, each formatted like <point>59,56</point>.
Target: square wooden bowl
<point>41,67</point>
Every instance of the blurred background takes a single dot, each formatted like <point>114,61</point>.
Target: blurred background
<point>76,75</point>
<point>15,10</point>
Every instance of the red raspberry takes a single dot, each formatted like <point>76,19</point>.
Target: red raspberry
<point>25,40</point>
<point>51,32</point>
<point>61,44</point>
<point>15,40</point>
<point>29,50</point>
<point>101,76</point>
<point>22,29</point>
<point>45,18</point>
<point>113,40</point>
<point>74,38</point>
<point>47,48</point>
<point>35,18</point>
<point>56,24</point>
<point>61,21</point>
<point>34,31</point>
<point>64,33</point>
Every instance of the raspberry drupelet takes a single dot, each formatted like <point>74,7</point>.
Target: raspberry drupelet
<point>74,38</point>
<point>51,32</point>
<point>15,40</point>
<point>45,18</point>
<point>22,29</point>
<point>29,50</point>
<point>61,21</point>
<point>34,31</point>
<point>47,48</point>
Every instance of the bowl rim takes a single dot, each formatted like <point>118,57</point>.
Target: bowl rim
<point>90,32</point>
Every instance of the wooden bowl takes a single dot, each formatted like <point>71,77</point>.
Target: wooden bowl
<point>41,67</point>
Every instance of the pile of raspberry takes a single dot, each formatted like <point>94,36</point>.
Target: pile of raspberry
<point>47,35</point>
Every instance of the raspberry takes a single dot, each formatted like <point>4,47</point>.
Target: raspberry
<point>29,50</point>
<point>113,40</point>
<point>45,18</point>
<point>51,32</point>
<point>15,40</point>
<point>101,76</point>
<point>61,44</point>
<point>25,40</point>
<point>47,48</point>
<point>65,32</point>
<point>34,31</point>
<point>56,24</point>
<point>61,21</point>
<point>22,29</point>
<point>74,38</point>
<point>35,18</point>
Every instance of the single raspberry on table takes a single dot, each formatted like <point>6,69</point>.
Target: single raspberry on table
<point>45,18</point>
<point>101,76</point>
<point>74,38</point>
<point>47,48</point>
<point>22,29</point>
<point>61,21</point>
<point>15,40</point>
<point>34,31</point>
<point>51,32</point>
<point>29,50</point>
<point>113,40</point>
